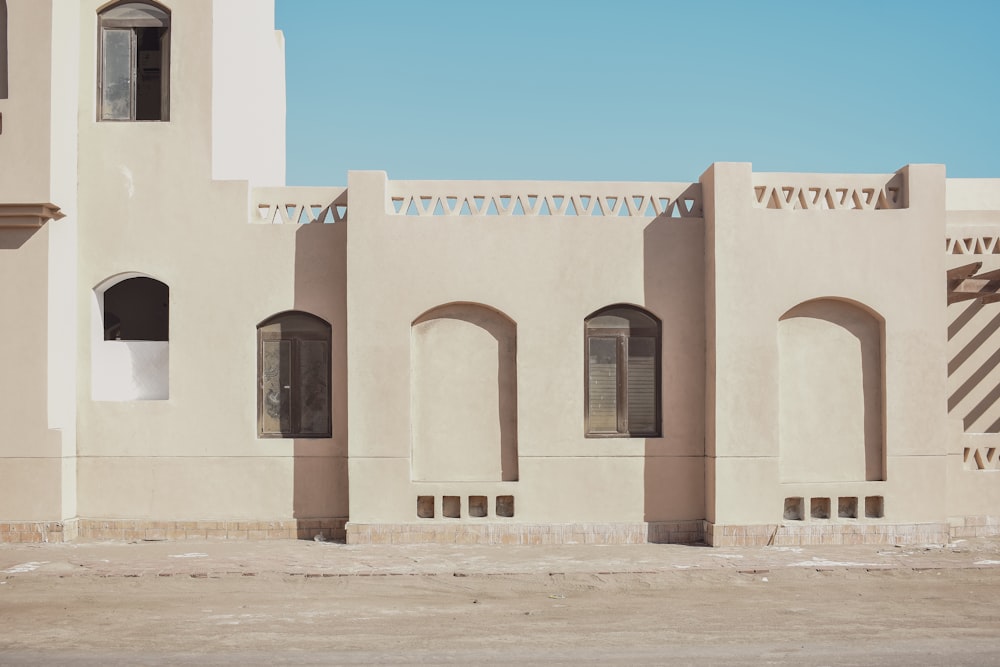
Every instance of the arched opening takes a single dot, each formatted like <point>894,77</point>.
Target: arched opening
<point>293,376</point>
<point>134,61</point>
<point>464,395</point>
<point>831,393</point>
<point>622,371</point>
<point>130,346</point>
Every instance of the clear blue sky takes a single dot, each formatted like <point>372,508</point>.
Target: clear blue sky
<point>638,90</point>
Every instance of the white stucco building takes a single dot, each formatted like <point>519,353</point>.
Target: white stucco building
<point>192,349</point>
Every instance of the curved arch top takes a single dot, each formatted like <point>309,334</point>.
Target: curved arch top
<point>622,316</point>
<point>117,278</point>
<point>295,319</point>
<point>450,309</point>
<point>135,10</point>
<point>793,311</point>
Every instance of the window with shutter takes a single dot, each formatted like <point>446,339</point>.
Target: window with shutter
<point>293,377</point>
<point>134,62</point>
<point>622,373</point>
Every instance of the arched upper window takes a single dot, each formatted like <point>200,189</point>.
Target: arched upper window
<point>130,350</point>
<point>134,62</point>
<point>137,309</point>
<point>293,376</point>
<point>622,373</point>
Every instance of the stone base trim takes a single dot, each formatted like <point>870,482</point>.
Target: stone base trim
<point>21,532</point>
<point>975,526</point>
<point>833,533</point>
<point>143,529</point>
<point>678,532</point>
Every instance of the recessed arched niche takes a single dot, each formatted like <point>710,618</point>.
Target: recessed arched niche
<point>463,400</point>
<point>831,393</point>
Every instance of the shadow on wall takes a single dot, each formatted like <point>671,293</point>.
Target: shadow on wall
<point>674,288</point>
<point>973,370</point>
<point>464,395</point>
<point>320,477</point>
<point>14,238</point>
<point>830,358</point>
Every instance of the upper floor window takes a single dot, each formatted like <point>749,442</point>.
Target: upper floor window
<point>293,376</point>
<point>622,373</point>
<point>134,62</point>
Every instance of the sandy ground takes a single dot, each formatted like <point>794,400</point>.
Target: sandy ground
<point>308,603</point>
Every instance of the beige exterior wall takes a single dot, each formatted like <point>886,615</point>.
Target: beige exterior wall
<point>153,208</point>
<point>546,273</point>
<point>815,386</point>
<point>769,257</point>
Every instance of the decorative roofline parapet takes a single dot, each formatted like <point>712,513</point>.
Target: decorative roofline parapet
<point>28,215</point>
<point>544,198</point>
<point>298,205</point>
<point>831,192</point>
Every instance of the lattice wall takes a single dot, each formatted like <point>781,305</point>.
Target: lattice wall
<point>793,192</point>
<point>475,198</point>
<point>294,205</point>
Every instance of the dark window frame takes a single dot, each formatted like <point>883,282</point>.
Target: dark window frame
<point>621,337</point>
<point>295,337</point>
<point>106,22</point>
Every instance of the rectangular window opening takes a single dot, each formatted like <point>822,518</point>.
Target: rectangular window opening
<point>847,507</point>
<point>505,506</point>
<point>451,507</point>
<point>425,507</point>
<point>477,506</point>
<point>819,508</point>
<point>874,507</point>
<point>793,509</point>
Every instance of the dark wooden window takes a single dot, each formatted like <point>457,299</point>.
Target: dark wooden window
<point>293,377</point>
<point>622,373</point>
<point>134,62</point>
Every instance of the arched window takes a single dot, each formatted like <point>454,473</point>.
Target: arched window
<point>130,348</point>
<point>293,376</point>
<point>137,309</point>
<point>622,372</point>
<point>134,62</point>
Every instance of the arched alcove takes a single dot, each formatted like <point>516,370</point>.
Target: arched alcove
<point>463,402</point>
<point>831,393</point>
<point>130,348</point>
